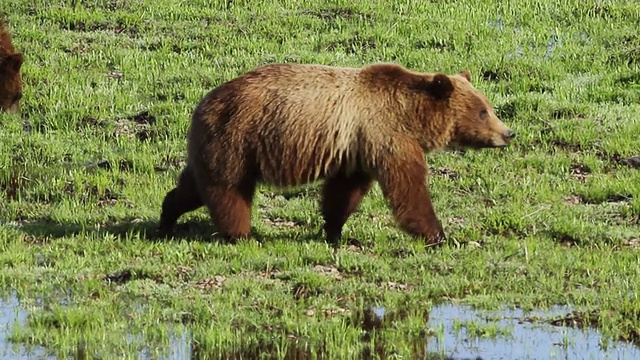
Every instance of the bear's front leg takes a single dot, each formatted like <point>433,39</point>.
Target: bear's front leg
<point>404,185</point>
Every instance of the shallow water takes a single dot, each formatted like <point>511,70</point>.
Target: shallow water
<point>451,340</point>
<point>526,340</point>
<point>9,314</point>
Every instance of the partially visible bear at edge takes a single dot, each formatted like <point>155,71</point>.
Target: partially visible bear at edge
<point>10,79</point>
<point>292,124</point>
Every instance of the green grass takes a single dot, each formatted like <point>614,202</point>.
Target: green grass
<point>543,222</point>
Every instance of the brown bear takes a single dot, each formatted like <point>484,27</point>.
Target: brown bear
<point>292,124</point>
<point>10,79</point>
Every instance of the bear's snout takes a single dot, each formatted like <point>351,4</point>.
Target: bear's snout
<point>508,135</point>
<point>502,138</point>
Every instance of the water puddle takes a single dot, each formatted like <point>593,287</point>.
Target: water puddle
<point>553,42</point>
<point>522,339</point>
<point>461,332</point>
<point>9,314</point>
<point>456,332</point>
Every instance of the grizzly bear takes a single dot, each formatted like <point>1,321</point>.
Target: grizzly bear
<point>292,124</point>
<point>10,79</point>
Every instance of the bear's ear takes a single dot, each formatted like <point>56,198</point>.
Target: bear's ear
<point>11,63</point>
<point>466,74</point>
<point>439,87</point>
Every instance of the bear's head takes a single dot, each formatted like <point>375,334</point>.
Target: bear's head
<point>476,124</point>
<point>10,79</point>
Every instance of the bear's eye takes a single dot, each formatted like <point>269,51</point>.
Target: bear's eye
<point>483,114</point>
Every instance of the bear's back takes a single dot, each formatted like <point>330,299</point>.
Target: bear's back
<point>302,121</point>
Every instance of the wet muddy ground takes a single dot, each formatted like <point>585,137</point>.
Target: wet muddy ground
<point>454,332</point>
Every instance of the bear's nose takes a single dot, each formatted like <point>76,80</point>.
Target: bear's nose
<point>509,134</point>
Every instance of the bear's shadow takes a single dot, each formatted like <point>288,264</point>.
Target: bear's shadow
<point>192,230</point>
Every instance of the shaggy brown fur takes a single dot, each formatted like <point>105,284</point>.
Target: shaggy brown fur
<point>10,79</point>
<point>291,124</point>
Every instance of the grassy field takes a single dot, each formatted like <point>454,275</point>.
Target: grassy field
<point>109,89</point>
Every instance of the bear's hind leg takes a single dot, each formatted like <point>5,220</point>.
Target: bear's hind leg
<point>340,198</point>
<point>182,199</point>
<point>230,209</point>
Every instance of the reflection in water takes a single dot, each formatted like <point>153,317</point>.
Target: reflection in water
<point>526,340</point>
<point>9,314</point>
<point>451,338</point>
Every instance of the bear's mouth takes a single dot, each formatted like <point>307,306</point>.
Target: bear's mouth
<point>500,144</point>
<point>502,140</point>
<point>466,144</point>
